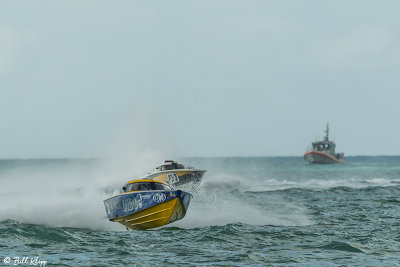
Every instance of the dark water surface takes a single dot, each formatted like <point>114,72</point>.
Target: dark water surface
<point>247,212</point>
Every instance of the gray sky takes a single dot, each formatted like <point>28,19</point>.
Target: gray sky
<point>198,78</point>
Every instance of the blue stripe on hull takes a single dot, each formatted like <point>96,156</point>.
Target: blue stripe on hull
<point>128,203</point>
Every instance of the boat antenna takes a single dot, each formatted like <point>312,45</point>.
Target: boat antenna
<point>327,132</point>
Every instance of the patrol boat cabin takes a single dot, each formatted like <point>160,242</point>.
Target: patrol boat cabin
<point>323,152</point>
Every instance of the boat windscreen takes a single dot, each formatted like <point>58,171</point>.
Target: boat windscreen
<point>146,186</point>
<point>167,167</point>
<point>180,166</point>
<point>172,166</point>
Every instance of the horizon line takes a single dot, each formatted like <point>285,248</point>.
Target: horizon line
<point>183,157</point>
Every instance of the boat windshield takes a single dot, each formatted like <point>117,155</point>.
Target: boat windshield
<point>321,147</point>
<point>179,166</point>
<point>172,166</point>
<point>167,167</point>
<point>146,186</point>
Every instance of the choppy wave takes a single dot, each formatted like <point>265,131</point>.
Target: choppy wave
<point>235,182</point>
<point>343,246</point>
<point>273,184</point>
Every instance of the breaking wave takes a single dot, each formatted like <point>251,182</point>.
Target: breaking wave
<point>271,184</point>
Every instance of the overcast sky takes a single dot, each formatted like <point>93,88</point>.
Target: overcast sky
<point>198,78</point>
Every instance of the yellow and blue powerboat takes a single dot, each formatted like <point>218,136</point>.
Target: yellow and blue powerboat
<point>144,204</point>
<point>176,174</point>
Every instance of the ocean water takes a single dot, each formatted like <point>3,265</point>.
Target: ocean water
<point>247,212</point>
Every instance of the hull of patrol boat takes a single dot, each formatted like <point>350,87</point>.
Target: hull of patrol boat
<point>315,157</point>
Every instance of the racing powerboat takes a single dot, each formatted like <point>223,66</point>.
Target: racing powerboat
<point>175,174</point>
<point>144,204</point>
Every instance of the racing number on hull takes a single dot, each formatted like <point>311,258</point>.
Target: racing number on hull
<point>172,178</point>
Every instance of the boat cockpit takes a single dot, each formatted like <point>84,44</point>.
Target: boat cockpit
<point>170,165</point>
<point>145,186</point>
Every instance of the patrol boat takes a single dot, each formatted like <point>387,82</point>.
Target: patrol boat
<point>323,152</point>
<point>176,174</point>
<point>145,204</point>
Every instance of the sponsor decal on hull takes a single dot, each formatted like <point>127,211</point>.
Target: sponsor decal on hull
<point>172,178</point>
<point>159,197</point>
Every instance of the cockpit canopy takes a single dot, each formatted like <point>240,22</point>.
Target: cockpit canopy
<point>145,186</point>
<point>170,165</point>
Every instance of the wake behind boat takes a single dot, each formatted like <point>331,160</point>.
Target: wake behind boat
<point>175,174</point>
<point>145,204</point>
<point>323,152</point>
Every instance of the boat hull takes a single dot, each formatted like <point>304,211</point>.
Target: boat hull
<point>144,210</point>
<point>315,157</point>
<point>177,177</point>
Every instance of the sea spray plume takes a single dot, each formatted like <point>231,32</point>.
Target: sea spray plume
<point>62,195</point>
<point>139,145</point>
<point>215,203</point>
<point>71,192</point>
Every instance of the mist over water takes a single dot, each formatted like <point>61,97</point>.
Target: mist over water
<point>56,193</point>
<point>221,200</point>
